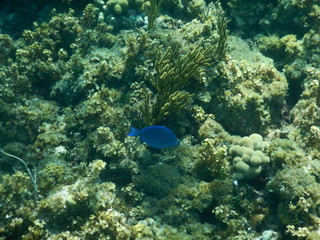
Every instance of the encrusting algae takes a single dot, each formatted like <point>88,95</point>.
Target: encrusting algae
<point>236,84</point>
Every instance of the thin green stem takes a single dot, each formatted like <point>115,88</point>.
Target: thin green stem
<point>33,178</point>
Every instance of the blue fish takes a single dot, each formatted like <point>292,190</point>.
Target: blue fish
<point>155,136</point>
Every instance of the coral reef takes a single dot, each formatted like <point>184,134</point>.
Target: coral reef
<point>282,16</point>
<point>305,114</point>
<point>285,152</point>
<point>152,10</point>
<point>239,87</point>
<point>249,157</point>
<point>158,180</point>
<point>247,95</point>
<point>297,190</point>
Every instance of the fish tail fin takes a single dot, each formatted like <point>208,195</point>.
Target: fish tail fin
<point>134,132</point>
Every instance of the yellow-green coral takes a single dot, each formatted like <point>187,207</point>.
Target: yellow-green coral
<point>251,91</point>
<point>171,75</point>
<point>152,9</point>
<point>297,192</point>
<point>117,6</point>
<point>212,162</point>
<point>285,152</point>
<point>248,156</point>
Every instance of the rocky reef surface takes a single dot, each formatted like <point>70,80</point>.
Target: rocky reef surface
<point>238,81</point>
